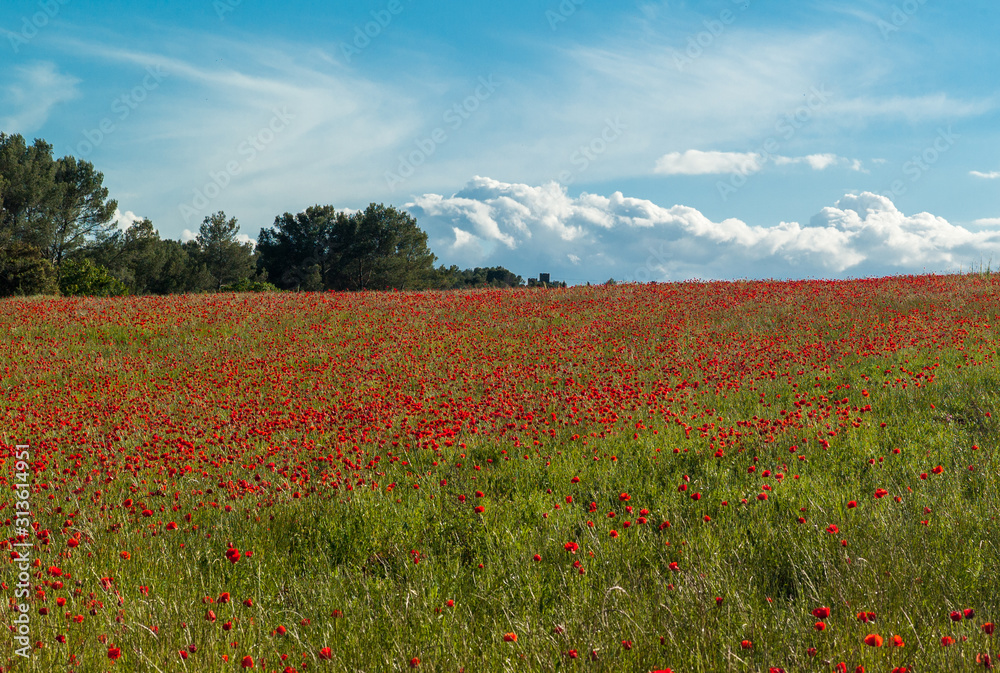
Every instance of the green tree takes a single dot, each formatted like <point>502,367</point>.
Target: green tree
<point>173,264</point>
<point>82,277</point>
<point>378,249</point>
<point>57,206</point>
<point>225,259</point>
<point>82,211</point>
<point>29,194</point>
<point>496,276</point>
<point>295,252</point>
<point>25,270</point>
<point>144,262</point>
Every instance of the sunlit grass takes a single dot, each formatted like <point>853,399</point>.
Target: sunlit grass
<point>343,561</point>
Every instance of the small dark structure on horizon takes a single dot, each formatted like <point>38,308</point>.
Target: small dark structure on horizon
<point>545,280</point>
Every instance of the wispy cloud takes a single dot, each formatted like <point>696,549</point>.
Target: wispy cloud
<point>992,175</point>
<point>696,162</point>
<point>32,93</point>
<point>345,129</point>
<point>926,108</point>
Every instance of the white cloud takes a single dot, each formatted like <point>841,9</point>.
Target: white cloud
<point>125,220</point>
<point>992,175</point>
<point>988,222</point>
<point>696,162</point>
<point>188,235</point>
<point>819,162</point>
<point>243,238</point>
<point>34,91</point>
<point>528,228</point>
<point>282,117</point>
<point>930,107</point>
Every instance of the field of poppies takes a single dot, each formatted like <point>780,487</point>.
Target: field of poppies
<point>694,477</point>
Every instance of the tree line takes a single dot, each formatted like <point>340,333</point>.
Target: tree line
<point>58,235</point>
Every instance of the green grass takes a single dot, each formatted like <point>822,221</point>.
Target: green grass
<point>352,550</point>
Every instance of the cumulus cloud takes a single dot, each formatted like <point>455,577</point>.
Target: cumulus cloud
<point>992,175</point>
<point>188,235</point>
<point>125,220</point>
<point>591,236</point>
<point>696,162</point>
<point>988,222</point>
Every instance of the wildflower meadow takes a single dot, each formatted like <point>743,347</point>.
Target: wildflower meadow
<point>687,477</point>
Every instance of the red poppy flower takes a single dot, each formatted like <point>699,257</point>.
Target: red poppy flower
<point>114,652</point>
<point>746,644</point>
<point>874,640</point>
<point>247,662</point>
<point>988,628</point>
<point>326,653</point>
<point>897,641</point>
<point>821,613</point>
<point>510,637</point>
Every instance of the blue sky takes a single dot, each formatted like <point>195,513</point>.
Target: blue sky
<point>587,139</point>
